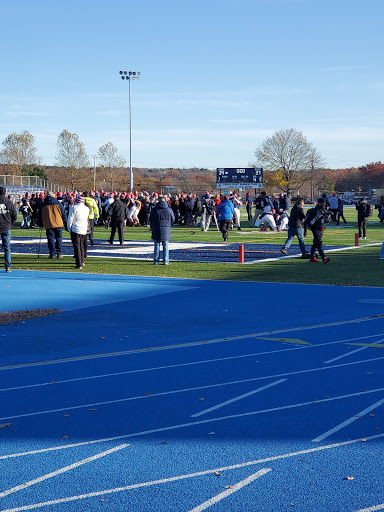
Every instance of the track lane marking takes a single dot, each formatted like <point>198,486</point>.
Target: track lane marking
<point>61,470</point>
<point>228,492</point>
<point>192,475</point>
<point>364,346</point>
<point>201,422</point>
<point>193,344</point>
<point>237,398</point>
<point>164,393</point>
<point>204,361</point>
<point>348,421</point>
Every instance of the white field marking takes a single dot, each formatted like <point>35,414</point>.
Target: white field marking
<point>228,492</point>
<point>237,398</point>
<point>351,352</point>
<point>372,509</point>
<point>265,260</point>
<point>184,390</point>
<point>191,475</point>
<point>61,470</point>
<point>204,361</point>
<point>205,342</point>
<point>201,422</point>
<point>348,421</point>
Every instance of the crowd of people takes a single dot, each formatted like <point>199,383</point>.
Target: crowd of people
<point>79,213</point>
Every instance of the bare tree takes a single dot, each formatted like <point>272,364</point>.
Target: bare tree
<point>19,152</point>
<point>289,155</point>
<point>71,154</point>
<point>111,160</point>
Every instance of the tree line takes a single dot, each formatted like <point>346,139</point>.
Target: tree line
<point>291,164</point>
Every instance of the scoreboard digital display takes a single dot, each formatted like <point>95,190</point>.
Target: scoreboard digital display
<point>239,178</point>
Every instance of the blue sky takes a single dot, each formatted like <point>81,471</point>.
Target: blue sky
<point>217,77</point>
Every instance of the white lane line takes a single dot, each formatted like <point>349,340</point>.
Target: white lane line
<point>166,367</point>
<point>60,471</point>
<point>191,475</point>
<point>228,492</point>
<point>237,398</point>
<point>120,400</point>
<point>192,424</point>
<point>372,509</point>
<point>193,344</point>
<point>348,421</point>
<point>350,353</point>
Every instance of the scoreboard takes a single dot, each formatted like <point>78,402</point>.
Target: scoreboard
<point>239,178</point>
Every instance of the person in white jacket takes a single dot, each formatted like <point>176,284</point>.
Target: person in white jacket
<point>78,227</point>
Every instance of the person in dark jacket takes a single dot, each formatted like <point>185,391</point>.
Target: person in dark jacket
<point>53,218</point>
<point>160,221</point>
<point>295,228</point>
<point>283,203</point>
<point>8,216</point>
<point>315,221</point>
<point>363,212</point>
<point>225,210</point>
<point>189,205</point>
<point>117,214</point>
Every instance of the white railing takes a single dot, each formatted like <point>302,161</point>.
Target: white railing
<point>19,184</point>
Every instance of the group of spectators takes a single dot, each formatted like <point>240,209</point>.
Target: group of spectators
<point>79,213</point>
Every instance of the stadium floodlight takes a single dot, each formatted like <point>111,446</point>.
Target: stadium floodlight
<point>127,75</point>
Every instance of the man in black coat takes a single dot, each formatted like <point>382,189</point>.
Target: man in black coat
<point>363,213</point>
<point>316,220</point>
<point>161,220</point>
<point>117,214</point>
<point>8,216</point>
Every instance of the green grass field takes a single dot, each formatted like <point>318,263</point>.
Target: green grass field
<point>354,267</point>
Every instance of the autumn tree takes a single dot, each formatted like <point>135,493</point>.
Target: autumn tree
<point>110,160</point>
<point>289,155</point>
<point>19,152</point>
<point>72,155</point>
<point>373,175</point>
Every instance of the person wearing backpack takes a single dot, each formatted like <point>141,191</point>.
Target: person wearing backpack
<point>316,220</point>
<point>364,211</point>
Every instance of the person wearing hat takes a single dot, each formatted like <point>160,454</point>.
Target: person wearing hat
<point>53,218</point>
<point>8,216</point>
<point>78,223</point>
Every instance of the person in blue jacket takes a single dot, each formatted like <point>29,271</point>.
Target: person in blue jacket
<point>160,220</point>
<point>225,210</point>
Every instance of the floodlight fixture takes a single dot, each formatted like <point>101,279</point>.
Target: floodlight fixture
<point>127,75</point>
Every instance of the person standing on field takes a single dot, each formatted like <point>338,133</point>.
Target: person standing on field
<point>295,228</point>
<point>53,218</point>
<point>78,223</point>
<point>93,214</point>
<point>8,216</point>
<point>363,213</point>
<point>117,215</point>
<point>160,221</point>
<point>315,221</point>
<point>225,210</point>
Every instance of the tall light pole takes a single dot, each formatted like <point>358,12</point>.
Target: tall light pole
<point>127,75</point>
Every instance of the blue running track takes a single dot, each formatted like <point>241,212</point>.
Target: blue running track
<point>154,394</point>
